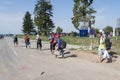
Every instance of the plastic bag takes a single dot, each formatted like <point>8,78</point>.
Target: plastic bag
<point>106,54</point>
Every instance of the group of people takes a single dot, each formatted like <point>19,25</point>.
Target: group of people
<point>55,43</point>
<point>27,41</point>
<point>104,45</point>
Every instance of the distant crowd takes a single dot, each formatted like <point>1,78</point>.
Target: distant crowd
<point>57,45</point>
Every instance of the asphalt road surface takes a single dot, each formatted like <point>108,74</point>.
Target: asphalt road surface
<point>19,63</point>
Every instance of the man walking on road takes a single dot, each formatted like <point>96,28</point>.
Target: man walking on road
<point>103,53</point>
<point>39,42</point>
<point>53,42</point>
<point>15,40</point>
<point>27,41</point>
<point>60,46</point>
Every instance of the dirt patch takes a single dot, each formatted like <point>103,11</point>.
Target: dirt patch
<point>89,56</point>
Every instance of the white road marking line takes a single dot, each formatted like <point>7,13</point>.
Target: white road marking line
<point>15,53</point>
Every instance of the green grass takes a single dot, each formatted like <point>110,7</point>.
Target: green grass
<point>72,49</point>
<point>78,41</point>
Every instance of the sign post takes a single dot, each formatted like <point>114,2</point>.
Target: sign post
<point>91,38</point>
<point>83,32</point>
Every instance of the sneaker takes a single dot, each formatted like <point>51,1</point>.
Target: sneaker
<point>109,61</point>
<point>102,60</point>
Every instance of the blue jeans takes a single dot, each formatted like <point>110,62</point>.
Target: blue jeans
<point>61,51</point>
<point>27,44</point>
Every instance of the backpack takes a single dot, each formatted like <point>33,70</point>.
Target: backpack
<point>15,38</point>
<point>63,43</point>
<point>38,40</point>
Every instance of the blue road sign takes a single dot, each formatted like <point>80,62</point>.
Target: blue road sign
<point>83,33</point>
<point>92,31</point>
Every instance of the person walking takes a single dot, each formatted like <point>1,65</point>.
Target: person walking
<point>39,42</point>
<point>102,50</point>
<point>53,42</point>
<point>60,46</point>
<point>50,38</point>
<point>101,47</point>
<point>108,45</point>
<point>27,41</point>
<point>15,40</point>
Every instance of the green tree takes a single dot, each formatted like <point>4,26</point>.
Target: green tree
<point>96,31</point>
<point>108,29</point>
<point>42,18</point>
<point>59,30</point>
<point>74,34</point>
<point>27,23</point>
<point>82,12</point>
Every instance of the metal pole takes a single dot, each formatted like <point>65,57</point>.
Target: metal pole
<point>82,43</point>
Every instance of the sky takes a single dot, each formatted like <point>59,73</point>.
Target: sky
<point>13,11</point>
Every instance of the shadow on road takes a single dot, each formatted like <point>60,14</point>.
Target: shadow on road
<point>113,56</point>
<point>69,55</point>
<point>67,52</point>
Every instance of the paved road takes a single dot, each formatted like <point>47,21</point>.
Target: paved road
<point>19,63</point>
